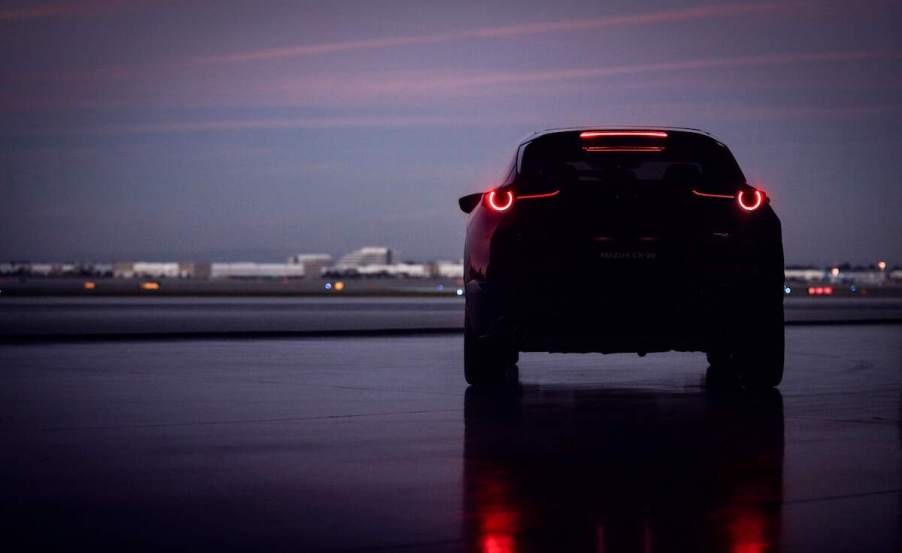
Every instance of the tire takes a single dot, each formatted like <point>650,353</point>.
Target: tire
<point>759,365</point>
<point>486,362</point>
<point>755,358</point>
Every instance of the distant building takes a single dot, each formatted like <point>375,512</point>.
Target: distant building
<point>841,274</point>
<point>370,255</point>
<point>44,269</point>
<point>313,263</point>
<point>256,270</point>
<point>123,269</point>
<point>397,270</point>
<point>446,269</point>
<point>804,274</point>
<point>55,269</point>
<point>98,269</point>
<point>859,275</point>
<point>195,269</point>
<point>157,269</point>
<point>145,269</point>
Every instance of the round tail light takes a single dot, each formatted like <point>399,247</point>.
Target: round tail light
<point>499,200</point>
<point>751,199</point>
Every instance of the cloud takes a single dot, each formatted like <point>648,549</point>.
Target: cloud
<point>66,9</point>
<point>284,123</point>
<point>432,87</point>
<point>36,12</point>
<point>393,86</point>
<point>510,31</point>
<point>685,65</point>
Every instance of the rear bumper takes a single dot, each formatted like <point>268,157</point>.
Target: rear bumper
<point>609,318</point>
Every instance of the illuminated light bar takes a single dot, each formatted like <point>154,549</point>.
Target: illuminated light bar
<point>623,148</point>
<point>707,195</point>
<point>503,200</point>
<point>492,197</point>
<point>598,134</point>
<point>758,200</point>
<point>537,196</point>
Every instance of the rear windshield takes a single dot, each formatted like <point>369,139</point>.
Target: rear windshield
<point>557,161</point>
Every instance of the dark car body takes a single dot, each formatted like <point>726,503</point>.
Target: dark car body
<point>622,240</point>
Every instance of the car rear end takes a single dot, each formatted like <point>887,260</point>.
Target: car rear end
<point>623,240</point>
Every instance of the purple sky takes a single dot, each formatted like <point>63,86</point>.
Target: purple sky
<point>220,129</point>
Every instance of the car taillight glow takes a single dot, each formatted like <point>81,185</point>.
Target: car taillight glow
<point>623,148</point>
<point>538,196</point>
<point>599,134</point>
<point>750,200</point>
<point>500,200</point>
<point>710,195</point>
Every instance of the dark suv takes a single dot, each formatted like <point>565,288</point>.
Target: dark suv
<point>624,240</point>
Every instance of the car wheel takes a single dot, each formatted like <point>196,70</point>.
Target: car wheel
<point>759,364</point>
<point>756,358</point>
<point>486,361</point>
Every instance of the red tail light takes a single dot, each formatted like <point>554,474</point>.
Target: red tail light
<point>647,134</point>
<point>750,200</point>
<point>499,200</point>
<point>538,196</point>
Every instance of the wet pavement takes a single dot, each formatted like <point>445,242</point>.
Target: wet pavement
<point>375,444</point>
<point>214,317</point>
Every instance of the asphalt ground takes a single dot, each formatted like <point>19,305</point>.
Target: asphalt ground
<point>56,318</point>
<point>377,444</point>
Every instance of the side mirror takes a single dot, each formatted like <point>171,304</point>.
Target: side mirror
<point>469,202</point>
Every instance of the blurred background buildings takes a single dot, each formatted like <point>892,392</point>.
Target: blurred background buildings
<point>376,266</point>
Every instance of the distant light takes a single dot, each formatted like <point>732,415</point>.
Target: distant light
<point>853,288</point>
<point>460,291</point>
<point>881,265</point>
<point>327,286</point>
<point>88,285</point>
<point>828,290</point>
<point>787,290</point>
<point>439,287</point>
<point>834,271</point>
<point>339,286</point>
<point>150,285</point>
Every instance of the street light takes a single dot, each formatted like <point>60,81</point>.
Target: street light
<point>881,265</point>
